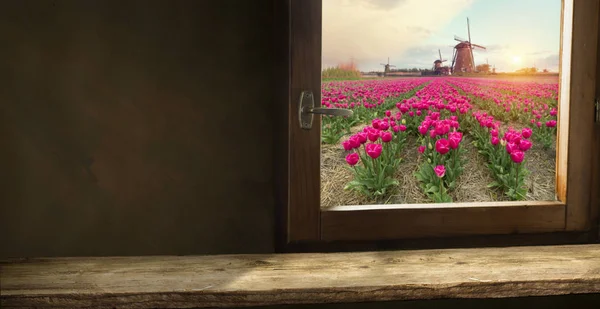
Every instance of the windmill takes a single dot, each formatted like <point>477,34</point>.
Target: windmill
<point>462,58</point>
<point>437,66</point>
<point>387,67</point>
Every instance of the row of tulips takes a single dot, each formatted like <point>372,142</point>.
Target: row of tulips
<point>374,153</point>
<point>438,114</point>
<point>505,153</point>
<point>367,99</point>
<point>443,153</point>
<point>441,142</point>
<point>540,117</point>
<point>506,107</point>
<point>544,92</point>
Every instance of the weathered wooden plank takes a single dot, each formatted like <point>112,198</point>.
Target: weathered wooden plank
<point>247,280</point>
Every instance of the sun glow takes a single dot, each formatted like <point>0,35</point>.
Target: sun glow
<point>516,59</point>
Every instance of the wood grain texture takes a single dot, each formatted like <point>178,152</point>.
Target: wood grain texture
<point>347,224</point>
<point>564,86</point>
<point>251,280</point>
<point>305,145</point>
<point>464,242</point>
<point>583,91</point>
<point>595,211</point>
<point>281,123</point>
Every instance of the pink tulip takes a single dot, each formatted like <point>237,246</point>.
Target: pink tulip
<point>384,125</point>
<point>454,138</point>
<point>347,146</point>
<point>526,132</point>
<point>440,171</point>
<point>375,123</point>
<point>517,156</point>
<point>352,158</point>
<point>511,147</point>
<point>362,137</point>
<point>440,129</point>
<point>354,141</point>
<point>442,146</point>
<point>402,128</point>
<point>374,150</point>
<point>551,123</point>
<point>495,140</point>
<point>373,135</point>
<point>421,149</point>
<point>386,136</point>
<point>525,144</point>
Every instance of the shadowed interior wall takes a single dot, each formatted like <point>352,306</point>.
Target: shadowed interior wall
<point>136,127</point>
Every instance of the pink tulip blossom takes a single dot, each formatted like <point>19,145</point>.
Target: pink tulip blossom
<point>495,140</point>
<point>386,136</point>
<point>440,171</point>
<point>517,156</point>
<point>352,158</point>
<point>374,150</point>
<point>525,145</point>
<point>511,147</point>
<point>442,146</point>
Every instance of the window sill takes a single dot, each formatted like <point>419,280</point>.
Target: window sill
<point>272,279</point>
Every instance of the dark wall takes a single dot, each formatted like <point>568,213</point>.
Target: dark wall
<point>135,127</point>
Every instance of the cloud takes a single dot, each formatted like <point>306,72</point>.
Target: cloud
<point>419,29</point>
<point>369,31</point>
<point>497,48</point>
<point>423,56</point>
<point>549,62</point>
<point>379,4</point>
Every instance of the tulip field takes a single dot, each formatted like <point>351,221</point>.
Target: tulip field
<point>439,140</point>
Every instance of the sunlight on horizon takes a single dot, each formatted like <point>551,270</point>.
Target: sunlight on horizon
<point>412,34</point>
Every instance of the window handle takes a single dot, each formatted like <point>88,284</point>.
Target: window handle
<point>307,110</point>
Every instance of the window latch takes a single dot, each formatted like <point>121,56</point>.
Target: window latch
<point>307,110</point>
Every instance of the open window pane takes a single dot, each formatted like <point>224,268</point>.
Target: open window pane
<point>456,104</point>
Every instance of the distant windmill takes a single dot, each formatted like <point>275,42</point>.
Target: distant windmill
<point>462,59</point>
<point>387,67</point>
<point>438,69</point>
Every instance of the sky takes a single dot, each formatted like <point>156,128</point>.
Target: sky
<point>516,33</point>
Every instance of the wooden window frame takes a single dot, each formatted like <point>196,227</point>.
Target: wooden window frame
<point>302,221</point>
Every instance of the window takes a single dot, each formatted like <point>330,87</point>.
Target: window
<point>305,221</point>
